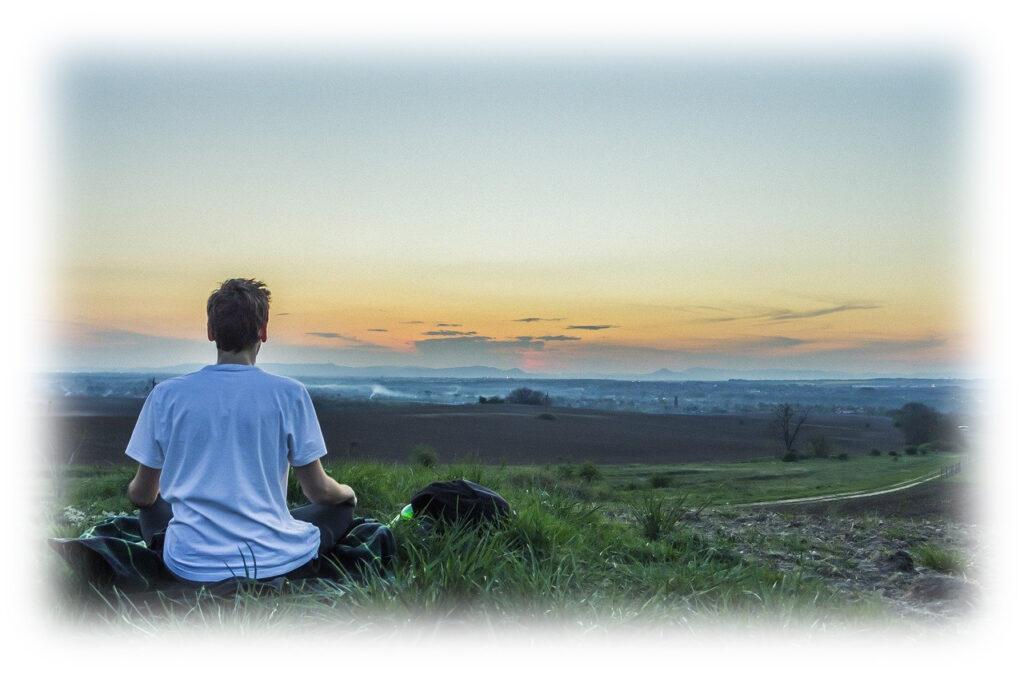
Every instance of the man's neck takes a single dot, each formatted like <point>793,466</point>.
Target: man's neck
<point>246,356</point>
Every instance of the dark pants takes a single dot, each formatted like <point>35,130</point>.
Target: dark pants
<point>333,520</point>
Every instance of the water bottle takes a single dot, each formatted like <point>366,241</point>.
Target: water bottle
<point>404,515</point>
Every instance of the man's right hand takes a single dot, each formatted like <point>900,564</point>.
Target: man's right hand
<point>320,488</point>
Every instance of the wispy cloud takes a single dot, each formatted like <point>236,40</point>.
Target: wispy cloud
<point>483,349</point>
<point>707,308</point>
<point>539,319</point>
<point>334,335</point>
<point>558,337</point>
<point>282,314</point>
<point>375,329</point>
<point>786,314</point>
<point>413,322</point>
<point>766,342</point>
<point>448,324</point>
<point>449,332</point>
<point>591,327</point>
<point>819,312</point>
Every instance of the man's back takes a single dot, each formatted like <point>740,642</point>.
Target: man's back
<point>224,438</point>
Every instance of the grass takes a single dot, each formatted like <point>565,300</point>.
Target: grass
<point>770,479</point>
<point>655,515</point>
<point>582,547</point>
<point>938,558</point>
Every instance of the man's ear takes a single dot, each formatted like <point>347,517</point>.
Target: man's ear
<point>263,333</point>
<point>209,332</point>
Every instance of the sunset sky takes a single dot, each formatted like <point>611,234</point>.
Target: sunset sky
<point>553,214</point>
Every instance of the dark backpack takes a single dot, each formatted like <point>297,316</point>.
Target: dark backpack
<point>459,500</point>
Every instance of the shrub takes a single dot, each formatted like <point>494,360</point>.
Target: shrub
<point>820,447</point>
<point>910,449</point>
<point>938,559</point>
<point>660,480</point>
<point>923,450</point>
<point>528,396</point>
<point>843,456</point>
<point>589,472</point>
<point>655,515</point>
<point>423,455</point>
<point>895,455</point>
<point>492,400</point>
<point>790,456</point>
<point>875,452</point>
<point>922,424</point>
<point>564,471</point>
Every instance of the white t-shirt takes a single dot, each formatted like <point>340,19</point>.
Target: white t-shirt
<point>224,437</point>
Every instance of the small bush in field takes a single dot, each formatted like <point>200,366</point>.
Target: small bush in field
<point>423,455</point>
<point>660,480</point>
<point>655,515</point>
<point>875,452</point>
<point>589,472</point>
<point>939,559</point>
<point>565,471</point>
<point>910,449</point>
<point>790,456</point>
<point>527,396</point>
<point>895,455</point>
<point>843,456</point>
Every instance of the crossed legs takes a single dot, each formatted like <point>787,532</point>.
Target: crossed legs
<point>332,520</point>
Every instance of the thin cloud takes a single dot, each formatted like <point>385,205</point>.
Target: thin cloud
<point>449,332</point>
<point>899,345</point>
<point>282,314</point>
<point>413,322</point>
<point>448,324</point>
<point>774,342</point>
<point>539,319</point>
<point>334,335</point>
<point>375,329</point>
<point>786,314</point>
<point>559,337</point>
<point>476,345</point>
<point>591,327</point>
<point>710,308</point>
<point>819,312</point>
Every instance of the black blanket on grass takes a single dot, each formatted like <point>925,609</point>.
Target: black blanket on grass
<point>114,553</point>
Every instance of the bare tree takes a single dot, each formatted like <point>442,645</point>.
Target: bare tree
<point>787,424</point>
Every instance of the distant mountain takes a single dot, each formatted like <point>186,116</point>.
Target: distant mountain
<point>329,370</point>
<point>712,374</point>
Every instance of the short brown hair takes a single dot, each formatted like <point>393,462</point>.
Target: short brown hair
<point>236,311</point>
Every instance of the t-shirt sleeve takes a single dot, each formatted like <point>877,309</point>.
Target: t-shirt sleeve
<point>144,446</point>
<point>305,440</point>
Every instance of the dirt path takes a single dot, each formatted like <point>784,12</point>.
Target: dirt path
<point>903,485</point>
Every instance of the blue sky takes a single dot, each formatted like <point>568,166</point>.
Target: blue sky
<point>698,210</point>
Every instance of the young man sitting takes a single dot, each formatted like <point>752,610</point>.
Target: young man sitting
<point>214,448</point>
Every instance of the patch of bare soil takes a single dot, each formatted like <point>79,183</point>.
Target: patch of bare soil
<point>861,556</point>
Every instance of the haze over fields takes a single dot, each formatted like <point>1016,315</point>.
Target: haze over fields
<point>555,216</point>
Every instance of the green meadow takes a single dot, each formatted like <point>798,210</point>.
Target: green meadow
<point>587,544</point>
